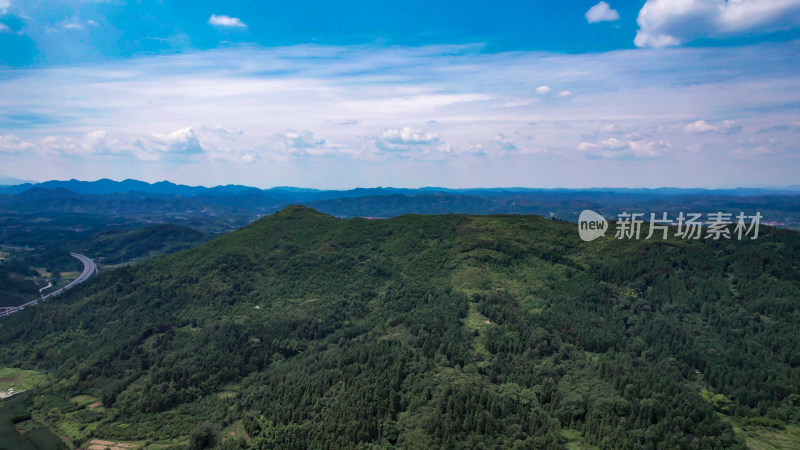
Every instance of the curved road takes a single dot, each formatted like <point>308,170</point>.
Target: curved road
<point>89,270</point>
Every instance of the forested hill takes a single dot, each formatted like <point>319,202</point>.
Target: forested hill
<point>305,331</point>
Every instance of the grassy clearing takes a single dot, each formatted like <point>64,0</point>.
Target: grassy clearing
<point>234,432</point>
<point>84,400</point>
<point>20,380</point>
<point>477,322</point>
<point>102,444</point>
<point>765,438</point>
<point>228,391</point>
<point>574,440</point>
<point>772,438</point>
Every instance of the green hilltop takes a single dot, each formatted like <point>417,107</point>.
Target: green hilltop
<point>449,331</point>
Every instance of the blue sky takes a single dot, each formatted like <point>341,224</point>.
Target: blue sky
<point>367,93</point>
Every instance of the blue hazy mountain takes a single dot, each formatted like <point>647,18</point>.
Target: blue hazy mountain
<point>106,186</point>
<point>11,181</point>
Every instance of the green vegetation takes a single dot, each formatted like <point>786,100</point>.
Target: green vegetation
<point>20,283</point>
<point>306,331</point>
<point>18,432</point>
<point>20,380</point>
<point>116,246</point>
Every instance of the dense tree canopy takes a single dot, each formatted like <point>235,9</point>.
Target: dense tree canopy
<point>427,331</point>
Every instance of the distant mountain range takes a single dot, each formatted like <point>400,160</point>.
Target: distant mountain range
<point>9,181</point>
<point>223,208</point>
<point>161,188</point>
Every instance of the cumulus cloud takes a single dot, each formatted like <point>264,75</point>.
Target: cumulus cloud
<point>613,128</point>
<point>601,12</point>
<point>179,144</point>
<point>226,21</point>
<point>465,91</point>
<point>405,139</point>
<point>664,23</point>
<point>306,143</point>
<point>565,94</point>
<point>101,142</point>
<point>94,143</point>
<point>303,139</point>
<point>407,142</point>
<point>505,143</point>
<point>702,127</point>
<point>614,148</point>
<point>76,24</point>
<point>12,145</point>
<point>145,147</point>
<point>752,147</point>
<point>233,155</point>
<point>699,126</point>
<point>543,90</point>
<point>506,146</point>
<point>183,141</point>
<point>219,129</point>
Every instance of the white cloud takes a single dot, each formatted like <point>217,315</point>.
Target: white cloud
<point>4,5</point>
<point>219,129</point>
<point>4,28</point>
<point>179,141</point>
<point>701,127</point>
<point>565,94</point>
<point>505,143</point>
<point>543,90</point>
<point>664,23</point>
<point>233,155</point>
<point>423,144</point>
<point>177,144</point>
<point>92,143</point>
<point>226,21</point>
<point>613,148</point>
<point>10,144</point>
<point>409,136</point>
<point>306,143</point>
<point>148,147</point>
<point>601,12</point>
<point>76,24</point>
<point>303,139</point>
<point>266,91</point>
<point>509,147</point>
<point>754,147</point>
<point>100,141</point>
<point>612,128</point>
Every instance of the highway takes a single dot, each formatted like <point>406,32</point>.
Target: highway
<point>89,270</point>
